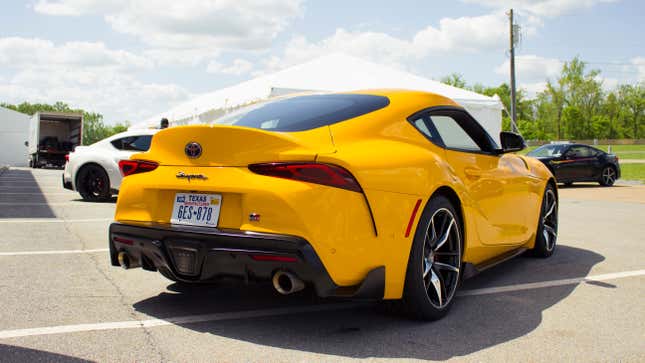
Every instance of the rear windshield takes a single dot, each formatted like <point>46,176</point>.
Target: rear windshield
<point>304,112</point>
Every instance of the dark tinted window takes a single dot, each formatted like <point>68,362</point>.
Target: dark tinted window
<point>304,112</point>
<point>579,152</point>
<point>133,143</point>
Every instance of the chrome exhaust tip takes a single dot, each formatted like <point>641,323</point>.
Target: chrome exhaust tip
<point>287,283</point>
<point>124,260</point>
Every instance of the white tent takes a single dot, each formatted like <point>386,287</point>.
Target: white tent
<point>335,72</point>
<point>14,131</point>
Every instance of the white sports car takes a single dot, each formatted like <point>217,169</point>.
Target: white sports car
<point>94,170</point>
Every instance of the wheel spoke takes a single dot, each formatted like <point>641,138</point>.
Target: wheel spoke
<point>550,210</point>
<point>445,266</point>
<point>445,235</point>
<point>436,284</point>
<point>427,267</point>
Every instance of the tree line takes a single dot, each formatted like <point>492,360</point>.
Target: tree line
<point>573,106</point>
<point>94,129</point>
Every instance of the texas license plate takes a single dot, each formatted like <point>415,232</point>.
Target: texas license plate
<point>196,209</point>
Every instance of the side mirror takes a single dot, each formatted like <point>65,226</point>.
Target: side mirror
<point>511,142</point>
<point>26,143</point>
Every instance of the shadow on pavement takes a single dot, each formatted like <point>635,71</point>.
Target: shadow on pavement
<point>21,196</point>
<point>475,322</point>
<point>9,353</point>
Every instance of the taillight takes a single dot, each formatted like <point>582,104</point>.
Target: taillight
<point>129,167</point>
<point>66,157</point>
<point>317,173</point>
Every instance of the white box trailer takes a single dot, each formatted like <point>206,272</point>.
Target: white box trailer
<point>53,135</point>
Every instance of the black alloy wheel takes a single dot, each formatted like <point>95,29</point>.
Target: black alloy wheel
<point>434,267</point>
<point>547,232</point>
<point>94,184</point>
<point>608,176</point>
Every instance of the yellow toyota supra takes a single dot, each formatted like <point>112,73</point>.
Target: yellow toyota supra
<point>380,194</point>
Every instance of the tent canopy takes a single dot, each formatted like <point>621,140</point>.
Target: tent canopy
<point>337,73</point>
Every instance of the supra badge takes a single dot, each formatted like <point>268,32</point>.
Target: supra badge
<point>193,150</point>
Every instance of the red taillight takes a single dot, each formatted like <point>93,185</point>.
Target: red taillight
<point>123,240</point>
<point>317,173</point>
<point>273,258</point>
<point>129,167</point>
<point>66,157</point>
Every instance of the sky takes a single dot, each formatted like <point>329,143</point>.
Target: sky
<point>131,59</point>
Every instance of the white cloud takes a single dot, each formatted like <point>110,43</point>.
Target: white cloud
<point>86,75</point>
<point>206,26</point>
<point>452,36</point>
<point>639,64</point>
<point>33,52</point>
<point>532,68</point>
<point>550,8</point>
<point>239,67</point>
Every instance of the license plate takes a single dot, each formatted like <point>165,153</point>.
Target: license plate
<point>196,209</point>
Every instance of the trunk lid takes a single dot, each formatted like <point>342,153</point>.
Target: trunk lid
<point>223,145</point>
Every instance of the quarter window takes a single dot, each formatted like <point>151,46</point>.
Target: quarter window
<point>452,134</point>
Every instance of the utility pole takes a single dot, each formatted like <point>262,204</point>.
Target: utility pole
<point>512,51</point>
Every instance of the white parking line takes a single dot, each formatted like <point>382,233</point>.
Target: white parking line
<point>552,283</point>
<point>173,321</point>
<point>53,220</point>
<point>57,204</point>
<point>53,252</point>
<point>191,319</point>
<point>27,193</point>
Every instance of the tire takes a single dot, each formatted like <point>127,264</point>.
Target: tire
<point>93,184</point>
<point>547,231</point>
<point>434,265</point>
<point>607,176</point>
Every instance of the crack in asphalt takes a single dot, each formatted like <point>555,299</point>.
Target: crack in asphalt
<point>122,299</point>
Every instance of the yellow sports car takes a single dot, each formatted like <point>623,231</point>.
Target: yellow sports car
<point>381,194</point>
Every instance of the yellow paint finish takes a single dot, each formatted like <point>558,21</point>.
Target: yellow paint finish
<point>396,165</point>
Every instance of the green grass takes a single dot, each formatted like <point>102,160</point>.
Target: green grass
<point>632,172</point>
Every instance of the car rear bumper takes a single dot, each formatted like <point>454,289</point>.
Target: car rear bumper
<point>199,254</point>
<point>67,184</point>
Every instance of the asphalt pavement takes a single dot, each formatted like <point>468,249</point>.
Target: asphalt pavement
<point>60,300</point>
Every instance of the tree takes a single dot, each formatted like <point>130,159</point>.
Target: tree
<point>633,100</point>
<point>455,80</point>
<point>93,127</point>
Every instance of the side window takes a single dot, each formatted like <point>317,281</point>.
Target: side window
<point>579,152</point>
<point>117,144</point>
<point>133,143</point>
<point>453,135</point>
<point>420,124</point>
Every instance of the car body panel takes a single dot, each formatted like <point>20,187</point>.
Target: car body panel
<point>352,233</point>
<point>101,153</point>
<point>568,168</point>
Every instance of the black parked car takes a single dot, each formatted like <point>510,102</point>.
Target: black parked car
<point>571,163</point>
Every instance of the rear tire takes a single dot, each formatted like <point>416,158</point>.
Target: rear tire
<point>547,232</point>
<point>608,176</point>
<point>93,184</point>
<point>434,266</point>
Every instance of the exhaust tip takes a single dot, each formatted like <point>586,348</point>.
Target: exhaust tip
<point>124,260</point>
<point>287,283</point>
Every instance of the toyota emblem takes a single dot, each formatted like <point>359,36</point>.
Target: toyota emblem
<point>193,150</point>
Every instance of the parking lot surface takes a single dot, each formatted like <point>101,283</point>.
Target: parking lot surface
<point>61,300</point>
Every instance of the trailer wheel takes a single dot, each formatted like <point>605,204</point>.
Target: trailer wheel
<point>93,184</point>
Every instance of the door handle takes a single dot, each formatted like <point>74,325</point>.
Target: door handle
<point>473,173</point>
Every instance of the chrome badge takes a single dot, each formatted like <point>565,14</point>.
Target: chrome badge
<point>193,150</point>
